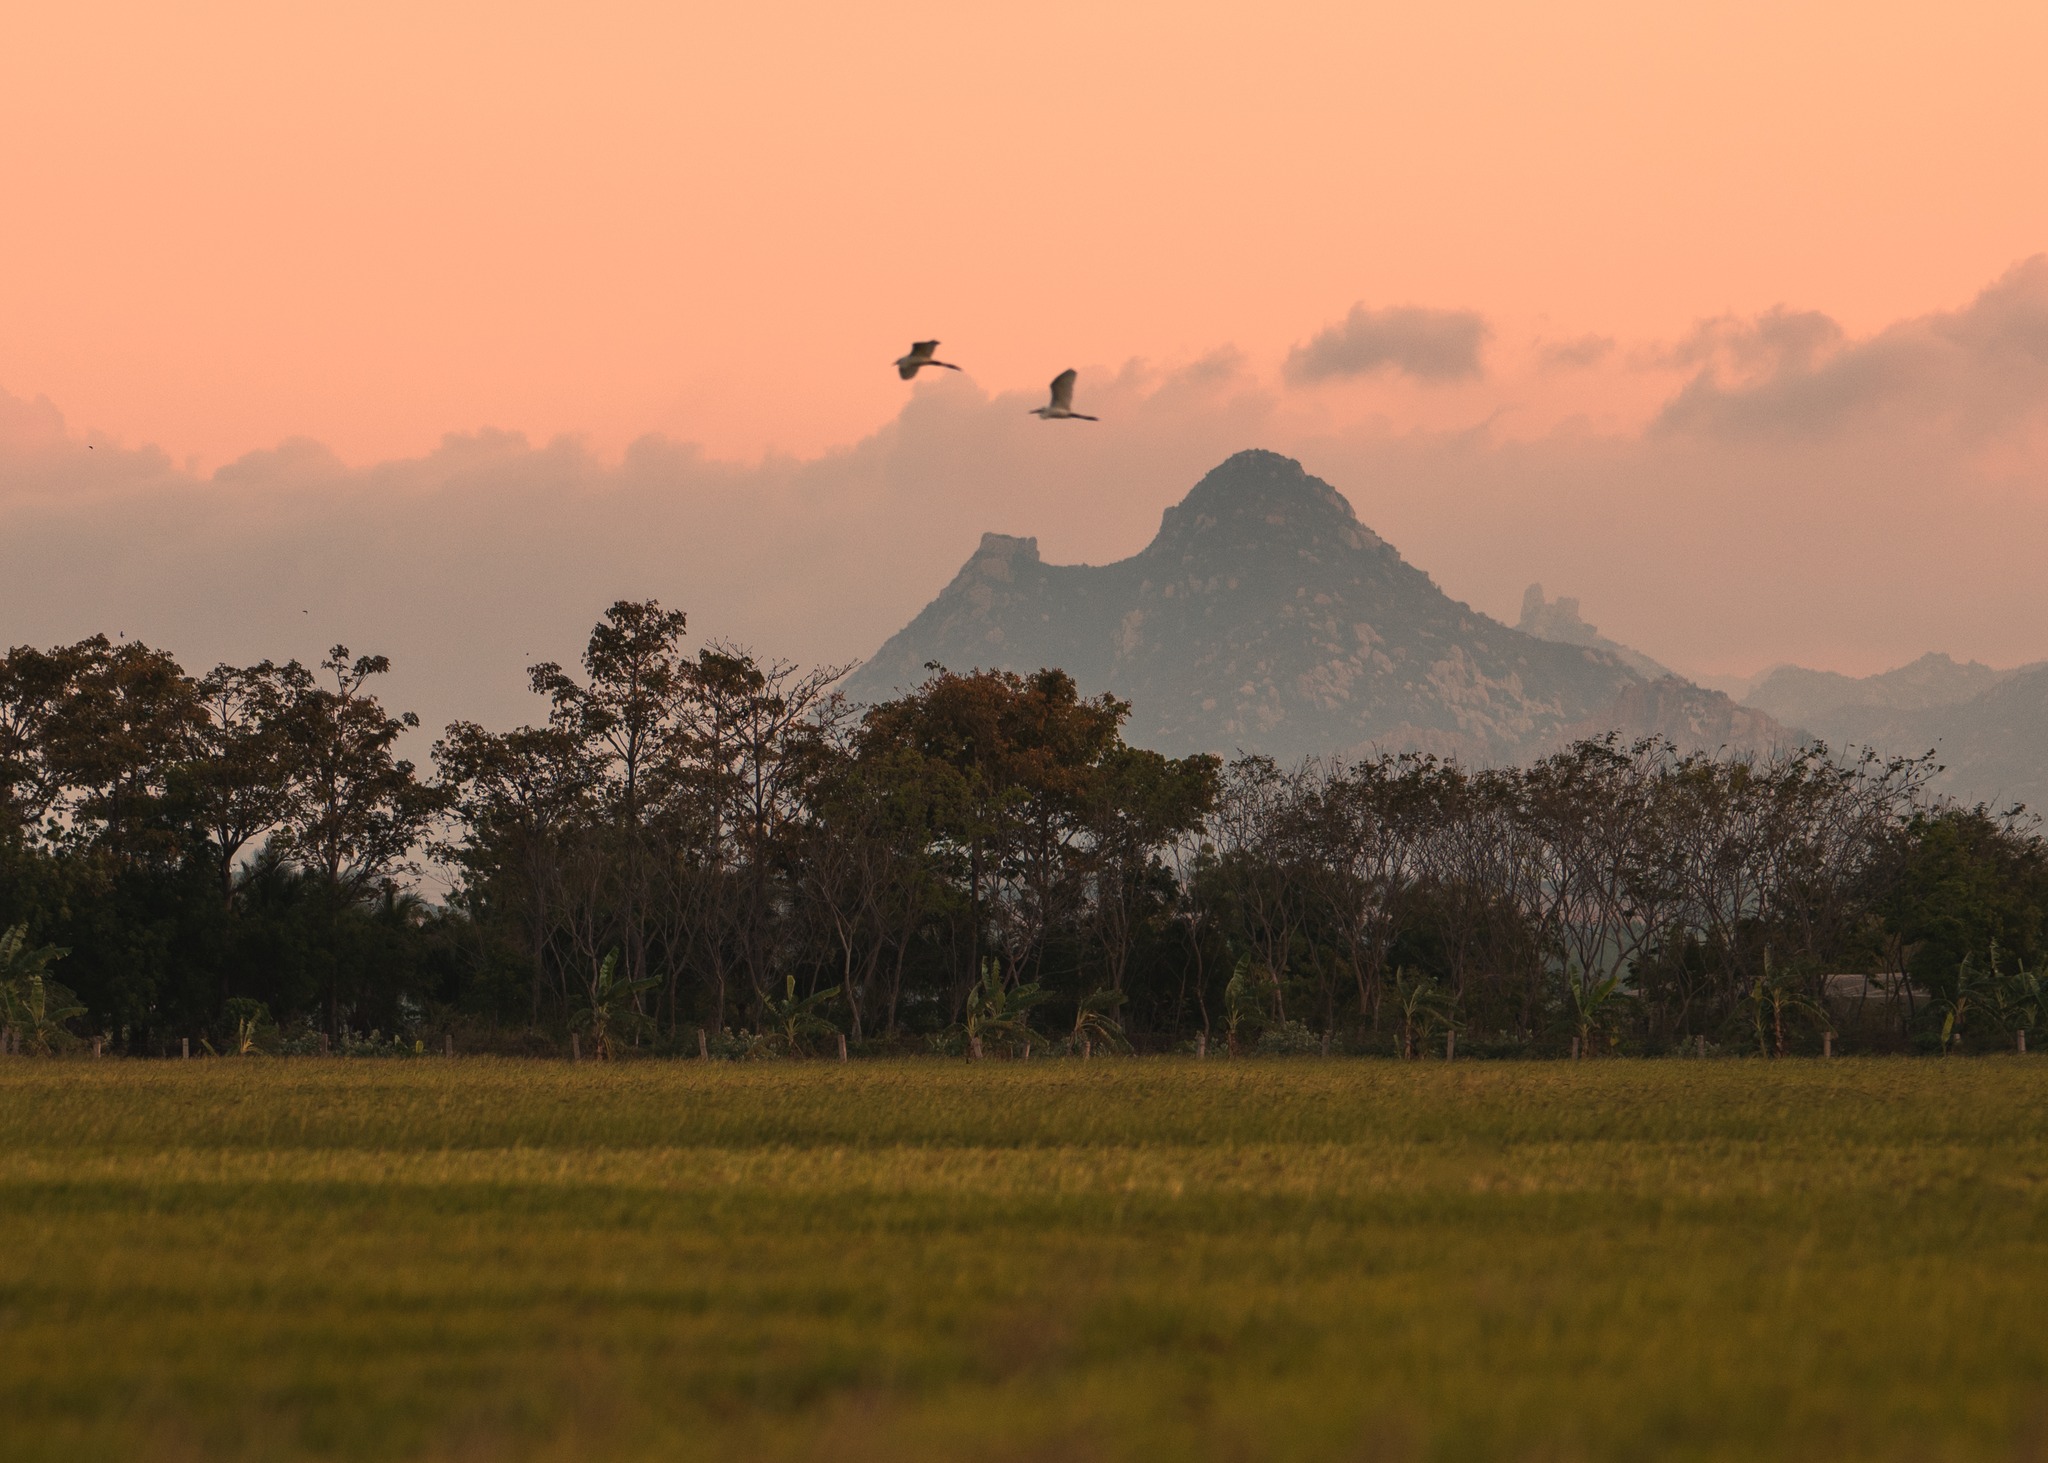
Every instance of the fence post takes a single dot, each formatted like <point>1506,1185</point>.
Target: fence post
<point>842,1046</point>
<point>448,1044</point>
<point>1027,1051</point>
<point>1700,1045</point>
<point>324,1048</point>
<point>703,1046</point>
<point>973,1048</point>
<point>1326,1043</point>
<point>1201,1045</point>
<point>1087,1048</point>
<point>2023,1040</point>
<point>1450,1046</point>
<point>1827,1044</point>
<point>575,1047</point>
<point>185,1048</point>
<point>96,1047</point>
<point>1575,1048</point>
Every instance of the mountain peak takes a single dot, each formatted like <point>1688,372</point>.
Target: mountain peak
<point>1261,496</point>
<point>1264,616</point>
<point>1256,478</point>
<point>1266,478</point>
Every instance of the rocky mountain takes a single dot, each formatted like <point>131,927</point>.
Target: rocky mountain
<point>1810,698</point>
<point>1988,728</point>
<point>1689,716</point>
<point>1559,620</point>
<point>1265,617</point>
<point>1993,747</point>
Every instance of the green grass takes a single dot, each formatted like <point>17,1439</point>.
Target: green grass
<point>1123,1259</point>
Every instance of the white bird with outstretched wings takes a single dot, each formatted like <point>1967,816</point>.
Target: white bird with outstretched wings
<point>1061,407</point>
<point>920,356</point>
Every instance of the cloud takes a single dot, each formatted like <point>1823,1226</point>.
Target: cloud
<point>1570,355</point>
<point>493,551</point>
<point>1710,534</point>
<point>1430,345</point>
<point>1973,375</point>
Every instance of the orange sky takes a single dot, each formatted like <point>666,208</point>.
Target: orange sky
<point>222,225</point>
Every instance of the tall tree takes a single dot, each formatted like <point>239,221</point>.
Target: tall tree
<point>245,775</point>
<point>363,811</point>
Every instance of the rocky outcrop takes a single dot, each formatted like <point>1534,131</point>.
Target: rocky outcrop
<point>1265,617</point>
<point>1559,619</point>
<point>1690,717</point>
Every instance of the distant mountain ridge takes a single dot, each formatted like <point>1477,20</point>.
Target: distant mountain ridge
<point>1988,728</point>
<point>1265,617</point>
<point>1804,697</point>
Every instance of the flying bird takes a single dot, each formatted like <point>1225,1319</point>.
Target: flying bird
<point>1062,403</point>
<point>920,356</point>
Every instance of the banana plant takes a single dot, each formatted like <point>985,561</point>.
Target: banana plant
<point>39,1014</point>
<point>1094,1021</point>
<point>1594,1007</point>
<point>610,1012</point>
<point>996,1013</point>
<point>18,961</point>
<point>2020,996</point>
<point>1775,998</point>
<point>1244,1004</point>
<point>1972,988</point>
<point>250,1024</point>
<point>797,1019</point>
<point>1423,1005</point>
<point>35,1006</point>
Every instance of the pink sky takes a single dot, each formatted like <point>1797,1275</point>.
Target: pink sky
<point>371,224</point>
<point>1755,363</point>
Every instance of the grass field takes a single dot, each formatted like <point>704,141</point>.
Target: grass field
<point>1121,1259</point>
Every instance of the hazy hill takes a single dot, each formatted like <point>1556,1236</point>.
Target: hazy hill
<point>1994,746</point>
<point>1988,728</point>
<point>1264,616</point>
<point>1808,698</point>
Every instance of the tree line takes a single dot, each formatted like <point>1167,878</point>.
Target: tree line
<point>709,852</point>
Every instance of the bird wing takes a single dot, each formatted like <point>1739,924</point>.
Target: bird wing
<point>906,369</point>
<point>1063,388</point>
<point>921,350</point>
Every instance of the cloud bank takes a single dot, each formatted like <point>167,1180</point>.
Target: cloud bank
<point>1430,345</point>
<point>1798,495</point>
<point>1975,374</point>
